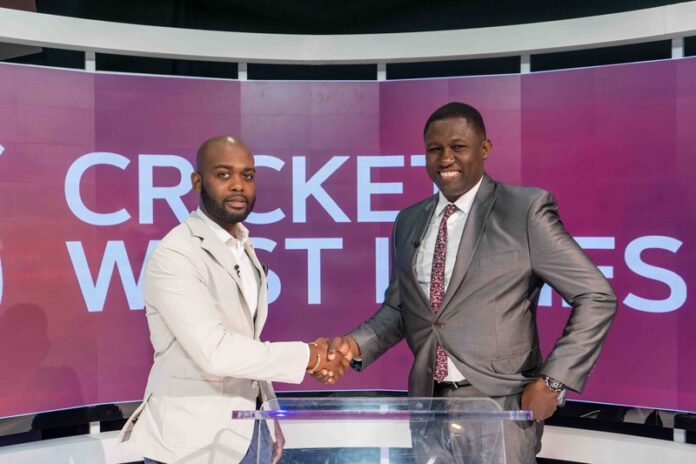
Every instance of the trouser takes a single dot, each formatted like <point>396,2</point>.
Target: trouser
<point>455,442</point>
<point>260,449</point>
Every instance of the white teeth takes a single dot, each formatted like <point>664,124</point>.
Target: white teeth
<point>448,173</point>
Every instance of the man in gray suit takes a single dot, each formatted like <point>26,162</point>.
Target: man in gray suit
<point>467,267</point>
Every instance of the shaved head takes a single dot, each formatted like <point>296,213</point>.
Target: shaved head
<point>218,141</point>
<point>225,179</point>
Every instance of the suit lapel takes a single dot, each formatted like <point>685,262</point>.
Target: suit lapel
<point>262,300</point>
<point>218,250</point>
<point>471,236</point>
<point>419,229</point>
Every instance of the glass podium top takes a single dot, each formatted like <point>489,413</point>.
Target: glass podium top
<point>384,430</point>
<point>411,409</point>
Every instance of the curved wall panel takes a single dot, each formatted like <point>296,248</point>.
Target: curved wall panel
<point>94,170</point>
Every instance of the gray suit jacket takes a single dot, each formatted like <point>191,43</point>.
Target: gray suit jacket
<point>512,243</point>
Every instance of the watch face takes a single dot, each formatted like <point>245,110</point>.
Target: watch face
<point>554,384</point>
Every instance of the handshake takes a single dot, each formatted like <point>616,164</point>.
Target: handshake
<point>329,358</point>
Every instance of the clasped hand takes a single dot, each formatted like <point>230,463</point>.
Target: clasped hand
<point>329,359</point>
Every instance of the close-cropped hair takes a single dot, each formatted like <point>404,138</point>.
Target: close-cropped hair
<point>458,110</point>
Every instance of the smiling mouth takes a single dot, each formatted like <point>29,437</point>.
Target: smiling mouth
<point>449,174</point>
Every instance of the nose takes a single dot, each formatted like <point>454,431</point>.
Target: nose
<point>236,184</point>
<point>447,157</point>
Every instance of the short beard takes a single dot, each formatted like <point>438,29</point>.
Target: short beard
<point>219,214</point>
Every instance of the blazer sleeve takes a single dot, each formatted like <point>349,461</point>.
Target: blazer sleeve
<point>558,260</point>
<point>386,326</point>
<point>175,287</point>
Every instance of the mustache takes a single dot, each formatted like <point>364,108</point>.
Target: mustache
<point>236,197</point>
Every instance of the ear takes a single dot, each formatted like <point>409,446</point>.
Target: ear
<point>487,147</point>
<point>196,181</point>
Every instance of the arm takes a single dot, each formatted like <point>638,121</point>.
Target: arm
<point>558,260</point>
<point>383,330</point>
<point>176,288</point>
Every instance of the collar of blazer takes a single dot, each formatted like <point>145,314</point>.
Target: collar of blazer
<point>218,250</point>
<point>473,231</point>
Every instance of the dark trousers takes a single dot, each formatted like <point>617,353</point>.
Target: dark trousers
<point>260,449</point>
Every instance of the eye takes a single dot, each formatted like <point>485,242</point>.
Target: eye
<point>248,176</point>
<point>223,175</point>
<point>434,150</point>
<point>458,147</point>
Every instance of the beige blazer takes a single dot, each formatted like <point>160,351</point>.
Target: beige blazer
<point>208,357</point>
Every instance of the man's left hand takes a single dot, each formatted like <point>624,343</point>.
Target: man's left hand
<point>536,397</point>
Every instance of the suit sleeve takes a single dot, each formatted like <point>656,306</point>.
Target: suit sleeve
<point>176,288</point>
<point>558,260</point>
<point>386,326</point>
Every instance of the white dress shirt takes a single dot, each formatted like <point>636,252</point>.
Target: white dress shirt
<point>235,243</point>
<point>424,259</point>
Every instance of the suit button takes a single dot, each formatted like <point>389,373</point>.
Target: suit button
<point>437,324</point>
<point>429,370</point>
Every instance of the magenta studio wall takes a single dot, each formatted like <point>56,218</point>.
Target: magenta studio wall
<point>94,169</point>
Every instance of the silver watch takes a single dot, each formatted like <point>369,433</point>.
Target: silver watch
<point>558,387</point>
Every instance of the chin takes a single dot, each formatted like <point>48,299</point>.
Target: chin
<point>448,191</point>
<point>237,211</point>
<point>453,195</point>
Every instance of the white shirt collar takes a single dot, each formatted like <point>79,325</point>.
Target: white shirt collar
<point>463,203</point>
<point>241,233</point>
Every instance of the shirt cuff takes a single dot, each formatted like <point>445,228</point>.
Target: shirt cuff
<point>356,364</point>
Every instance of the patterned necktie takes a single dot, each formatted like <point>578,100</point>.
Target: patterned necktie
<point>437,286</point>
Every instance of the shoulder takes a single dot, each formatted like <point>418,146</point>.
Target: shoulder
<point>178,254</point>
<point>516,197</point>
<point>417,209</point>
<point>180,239</point>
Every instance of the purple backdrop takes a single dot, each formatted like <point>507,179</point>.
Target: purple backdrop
<point>94,168</point>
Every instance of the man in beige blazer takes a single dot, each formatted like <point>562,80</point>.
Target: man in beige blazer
<point>468,265</point>
<point>206,303</point>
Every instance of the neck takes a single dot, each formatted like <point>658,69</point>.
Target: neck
<point>229,227</point>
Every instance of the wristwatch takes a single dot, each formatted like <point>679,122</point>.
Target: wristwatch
<point>558,387</point>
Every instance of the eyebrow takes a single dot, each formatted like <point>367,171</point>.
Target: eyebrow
<point>230,167</point>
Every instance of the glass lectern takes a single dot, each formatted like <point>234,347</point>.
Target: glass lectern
<point>387,430</point>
